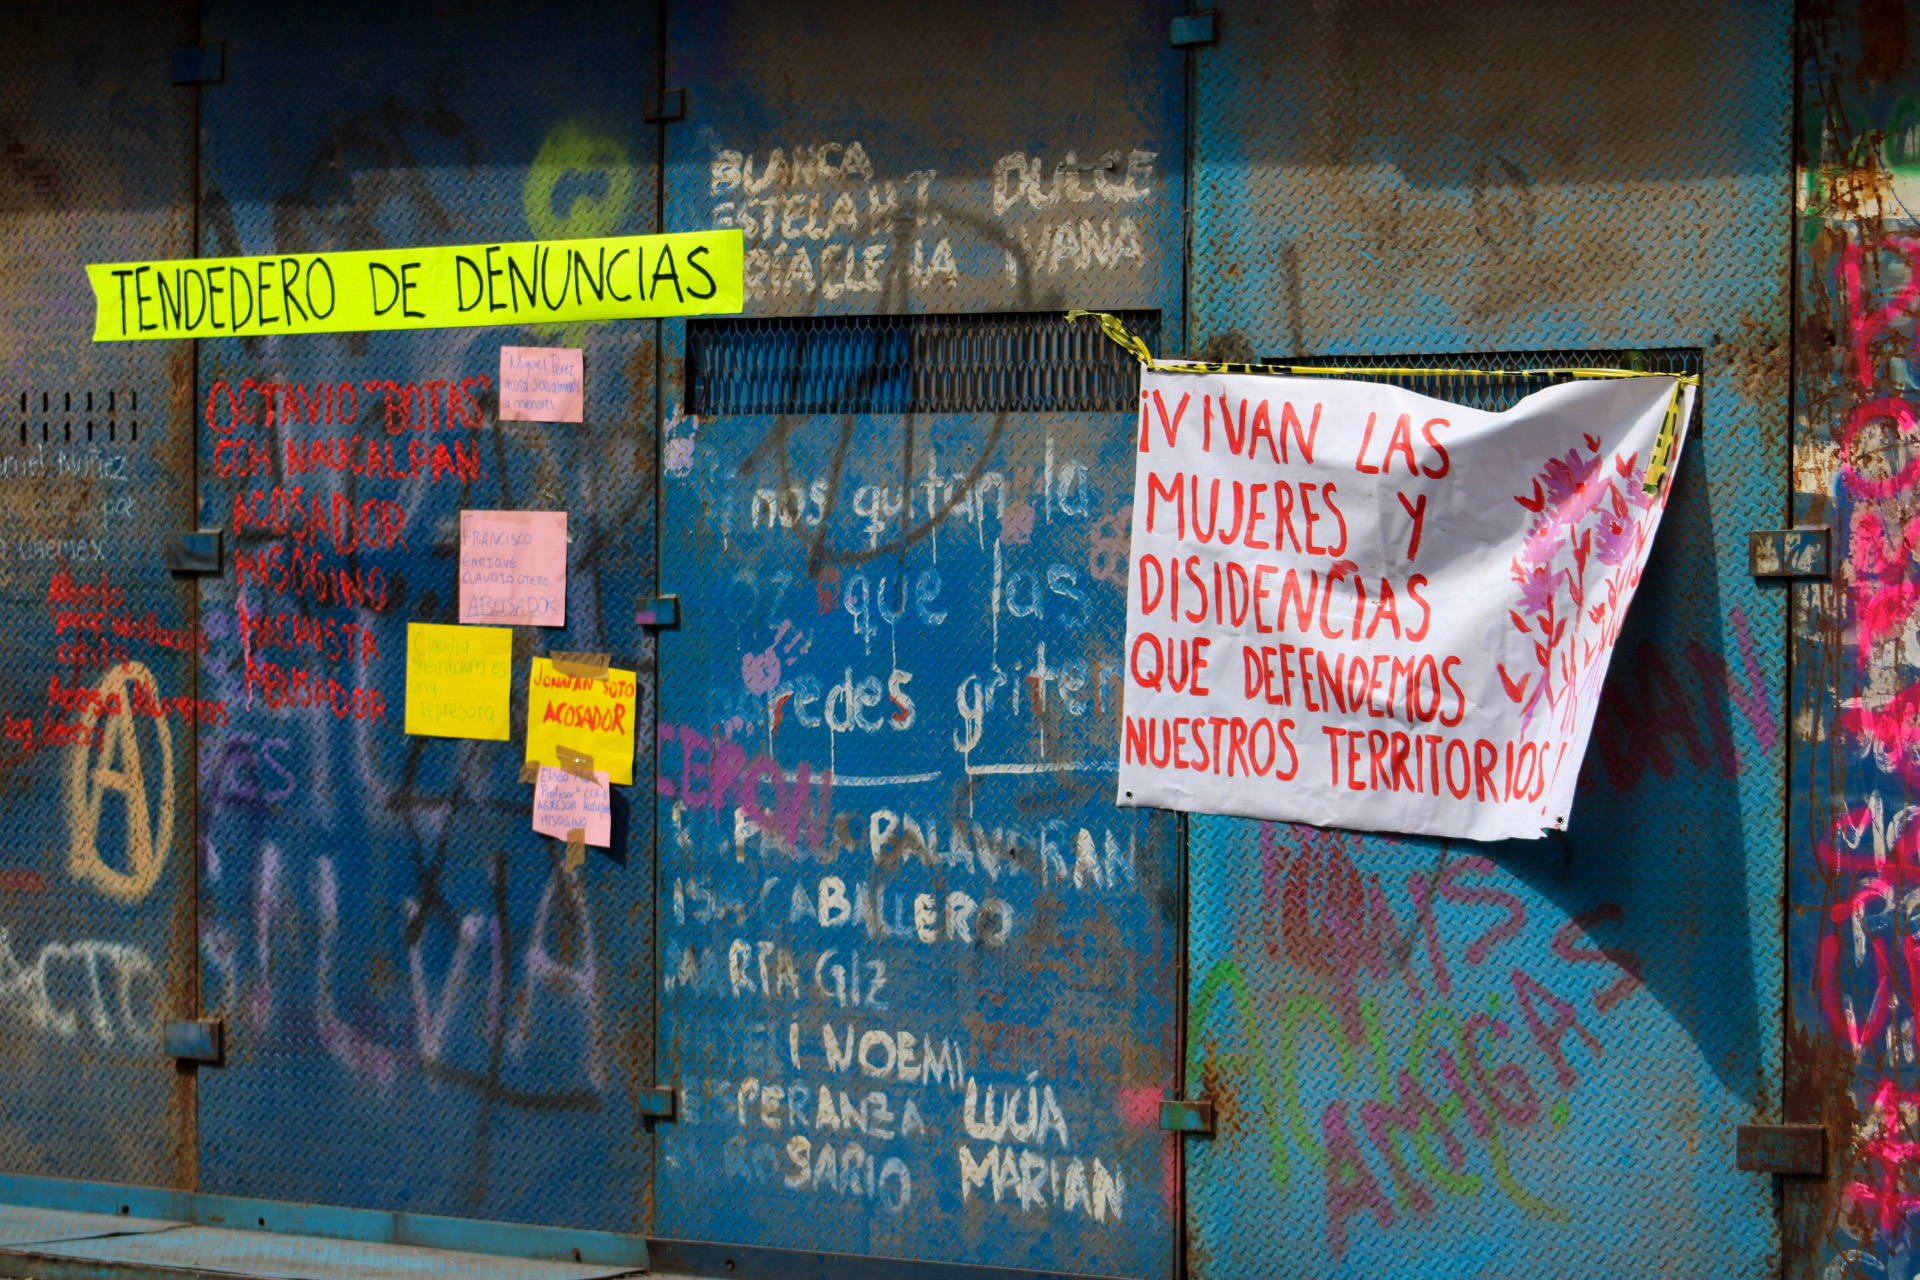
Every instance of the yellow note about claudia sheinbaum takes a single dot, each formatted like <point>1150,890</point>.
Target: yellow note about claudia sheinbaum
<point>459,681</point>
<point>591,716</point>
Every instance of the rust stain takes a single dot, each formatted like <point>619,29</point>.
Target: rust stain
<point>1218,1087</point>
<point>1230,347</point>
<point>36,174</point>
<point>1755,359</point>
<point>1817,1089</point>
<point>1861,190</point>
<point>1885,51</point>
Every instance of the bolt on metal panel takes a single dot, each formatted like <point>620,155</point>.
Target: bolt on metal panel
<point>1431,1058</point>
<point>918,972</point>
<point>97,685</point>
<point>425,1010</point>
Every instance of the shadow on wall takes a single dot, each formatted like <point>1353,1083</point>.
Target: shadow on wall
<point>1675,792</point>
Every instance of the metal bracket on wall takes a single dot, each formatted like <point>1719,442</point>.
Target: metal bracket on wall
<point>196,1040</point>
<point>1796,1149</point>
<point>659,1103</point>
<point>200,64</point>
<point>1802,552</point>
<point>657,611</point>
<point>1191,30</point>
<point>1194,1116</point>
<point>194,551</point>
<point>665,105</point>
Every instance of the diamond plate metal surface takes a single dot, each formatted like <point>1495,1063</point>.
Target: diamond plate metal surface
<point>1377,1021</point>
<point>96,872</point>
<point>424,1010</point>
<point>923,1010</point>
<point>927,1010</point>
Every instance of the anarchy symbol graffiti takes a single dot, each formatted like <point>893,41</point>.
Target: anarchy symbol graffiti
<point>118,767</point>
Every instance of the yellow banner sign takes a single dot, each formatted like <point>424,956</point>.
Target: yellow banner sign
<point>448,286</point>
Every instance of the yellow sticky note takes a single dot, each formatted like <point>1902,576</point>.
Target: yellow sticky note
<point>459,681</point>
<point>593,716</point>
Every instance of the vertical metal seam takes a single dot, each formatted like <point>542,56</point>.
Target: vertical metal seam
<point>651,1199</point>
<point>1778,1102</point>
<point>1189,89</point>
<point>1182,845</point>
<point>190,1173</point>
<point>1182,970</point>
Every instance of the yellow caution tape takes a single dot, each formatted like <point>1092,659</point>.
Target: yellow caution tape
<point>1657,465</point>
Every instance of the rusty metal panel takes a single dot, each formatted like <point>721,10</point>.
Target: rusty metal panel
<point>1852,871</point>
<point>424,1010</point>
<point>1797,1150</point>
<point>918,972</point>
<point>1435,1058</point>
<point>96,678</point>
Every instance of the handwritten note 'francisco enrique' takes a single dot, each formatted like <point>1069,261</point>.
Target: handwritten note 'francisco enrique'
<point>513,567</point>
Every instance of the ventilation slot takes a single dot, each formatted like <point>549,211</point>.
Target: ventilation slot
<point>1030,363</point>
<point>47,416</point>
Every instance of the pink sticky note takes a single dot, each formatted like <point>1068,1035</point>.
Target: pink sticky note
<point>542,384</point>
<point>513,567</point>
<point>562,802</point>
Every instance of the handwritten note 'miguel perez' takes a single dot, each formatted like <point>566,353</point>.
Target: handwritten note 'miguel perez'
<point>459,680</point>
<point>542,384</point>
<point>513,567</point>
<point>563,803</point>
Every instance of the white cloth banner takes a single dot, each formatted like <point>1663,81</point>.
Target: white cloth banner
<point>1355,606</point>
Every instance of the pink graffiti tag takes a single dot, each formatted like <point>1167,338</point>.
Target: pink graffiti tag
<point>1890,1154</point>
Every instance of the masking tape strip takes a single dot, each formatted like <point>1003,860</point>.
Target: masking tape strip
<point>581,666</point>
<point>577,763</point>
<point>530,771</point>
<point>576,847</point>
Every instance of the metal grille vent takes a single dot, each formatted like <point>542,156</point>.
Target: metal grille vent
<point>46,417</point>
<point>1519,371</point>
<point>1026,363</point>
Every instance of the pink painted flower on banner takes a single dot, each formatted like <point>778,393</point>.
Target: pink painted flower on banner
<point>1613,538</point>
<point>1536,588</point>
<point>1571,486</point>
<point>1593,513</point>
<point>1543,543</point>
